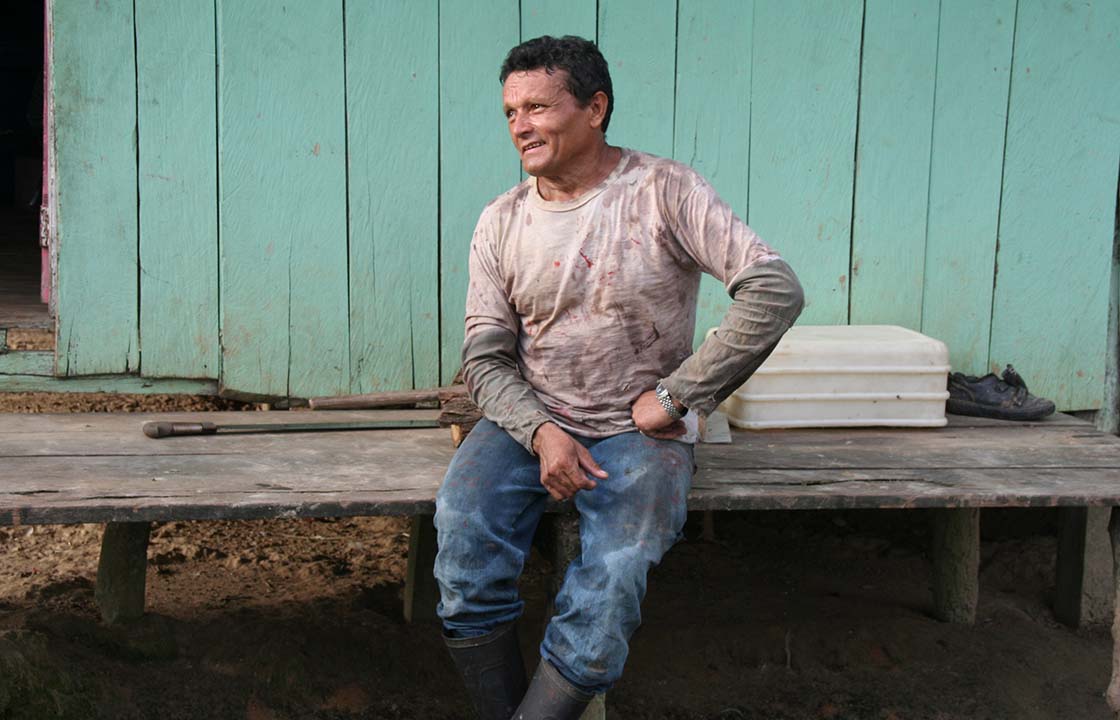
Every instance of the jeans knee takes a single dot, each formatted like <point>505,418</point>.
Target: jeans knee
<point>476,566</point>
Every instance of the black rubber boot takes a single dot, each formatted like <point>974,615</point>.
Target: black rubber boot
<point>492,670</point>
<point>551,697</point>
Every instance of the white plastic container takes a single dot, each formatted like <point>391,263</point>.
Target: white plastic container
<point>846,376</point>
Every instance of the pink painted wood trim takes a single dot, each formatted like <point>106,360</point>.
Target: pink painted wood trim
<point>45,192</point>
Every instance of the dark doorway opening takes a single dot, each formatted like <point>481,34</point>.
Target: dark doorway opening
<point>21,165</point>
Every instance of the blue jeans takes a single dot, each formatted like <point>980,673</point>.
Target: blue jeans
<point>488,509</point>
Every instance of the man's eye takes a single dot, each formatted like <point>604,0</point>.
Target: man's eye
<point>536,106</point>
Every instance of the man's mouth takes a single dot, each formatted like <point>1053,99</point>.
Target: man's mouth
<point>532,146</point>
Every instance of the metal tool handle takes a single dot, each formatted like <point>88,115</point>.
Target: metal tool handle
<point>167,429</point>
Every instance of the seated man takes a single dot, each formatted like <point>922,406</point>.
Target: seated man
<point>579,322</point>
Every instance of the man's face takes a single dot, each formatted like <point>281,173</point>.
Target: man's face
<point>548,127</point>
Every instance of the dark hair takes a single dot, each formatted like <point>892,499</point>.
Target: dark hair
<point>581,59</point>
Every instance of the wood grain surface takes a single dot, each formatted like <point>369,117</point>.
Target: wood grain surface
<point>638,38</point>
<point>886,149</point>
<point>974,47</point>
<point>282,179</point>
<point>573,17</point>
<point>897,73</point>
<point>477,159</point>
<point>1057,213</point>
<point>176,87</point>
<point>93,88</point>
<point>804,98</point>
<point>101,468</point>
<point>712,121</point>
<point>392,122</point>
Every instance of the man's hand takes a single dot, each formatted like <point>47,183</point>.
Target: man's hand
<point>565,464</point>
<point>652,420</point>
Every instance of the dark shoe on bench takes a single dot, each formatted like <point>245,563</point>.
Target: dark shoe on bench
<point>1004,397</point>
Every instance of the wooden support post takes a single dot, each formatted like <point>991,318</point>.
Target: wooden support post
<point>1112,695</point>
<point>1084,593</point>
<point>122,571</point>
<point>421,593</point>
<point>565,547</point>
<point>956,564</point>
<point>708,531</point>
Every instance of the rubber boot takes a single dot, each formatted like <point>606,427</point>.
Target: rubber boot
<point>492,670</point>
<point>551,697</point>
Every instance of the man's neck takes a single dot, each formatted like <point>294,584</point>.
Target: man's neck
<point>582,178</point>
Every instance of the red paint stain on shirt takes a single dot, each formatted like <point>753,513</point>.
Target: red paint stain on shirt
<point>556,263</point>
<point>585,258</point>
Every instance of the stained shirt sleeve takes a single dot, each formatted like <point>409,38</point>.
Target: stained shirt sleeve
<point>490,368</point>
<point>766,298</point>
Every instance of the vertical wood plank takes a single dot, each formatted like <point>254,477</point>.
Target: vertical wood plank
<point>803,131</point>
<point>392,97</point>
<point>421,591</point>
<point>477,159</point>
<point>176,118</point>
<point>966,167</point>
<point>897,74</point>
<point>549,17</point>
<point>1112,694</point>
<point>122,571</point>
<point>93,89</point>
<point>1050,312</point>
<point>282,184</point>
<point>638,38</point>
<point>1083,583</point>
<point>711,126</point>
<point>956,564</point>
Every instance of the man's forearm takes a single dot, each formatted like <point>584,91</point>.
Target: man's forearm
<point>497,387</point>
<point>767,300</point>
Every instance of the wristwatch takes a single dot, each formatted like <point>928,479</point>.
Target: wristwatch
<point>667,403</point>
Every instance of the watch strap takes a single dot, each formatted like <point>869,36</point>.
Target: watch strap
<point>666,401</point>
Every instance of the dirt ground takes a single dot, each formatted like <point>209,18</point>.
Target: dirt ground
<point>786,615</point>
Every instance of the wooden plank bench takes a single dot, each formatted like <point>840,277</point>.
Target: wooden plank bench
<point>99,468</point>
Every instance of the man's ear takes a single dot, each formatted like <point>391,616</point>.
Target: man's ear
<point>598,106</point>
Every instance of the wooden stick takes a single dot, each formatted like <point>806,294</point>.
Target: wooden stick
<point>386,399</point>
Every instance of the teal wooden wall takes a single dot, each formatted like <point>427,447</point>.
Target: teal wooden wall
<point>280,196</point>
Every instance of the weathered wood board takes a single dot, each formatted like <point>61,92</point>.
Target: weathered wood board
<point>966,169</point>
<point>804,92</point>
<point>477,159</point>
<point>20,382</point>
<point>27,362</point>
<point>712,120</point>
<point>282,181</point>
<point>392,121</point>
<point>100,468</point>
<point>884,148</point>
<point>94,101</point>
<point>573,17</point>
<point>897,71</point>
<point>1057,214</point>
<point>176,85</point>
<point>635,36</point>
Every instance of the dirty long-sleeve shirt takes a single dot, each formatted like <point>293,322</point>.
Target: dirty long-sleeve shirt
<point>575,308</point>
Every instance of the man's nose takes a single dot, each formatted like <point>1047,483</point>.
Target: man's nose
<point>520,124</point>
